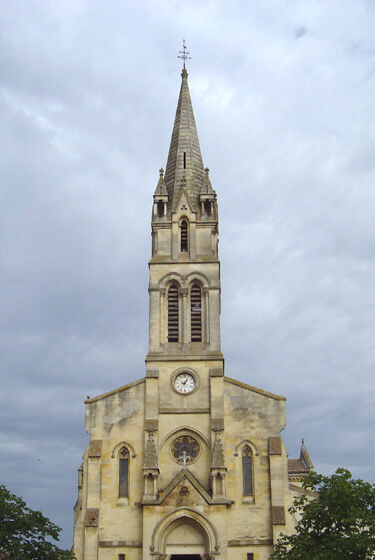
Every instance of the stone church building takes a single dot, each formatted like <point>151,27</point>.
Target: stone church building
<point>185,463</point>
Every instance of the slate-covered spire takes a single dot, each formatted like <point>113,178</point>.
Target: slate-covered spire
<point>184,158</point>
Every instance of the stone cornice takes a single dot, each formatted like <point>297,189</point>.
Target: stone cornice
<point>254,389</point>
<point>118,544</point>
<point>250,541</point>
<point>110,393</point>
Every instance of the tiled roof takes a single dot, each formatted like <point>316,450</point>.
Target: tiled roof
<point>297,466</point>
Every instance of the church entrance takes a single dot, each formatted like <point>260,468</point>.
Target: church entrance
<point>185,542</point>
<point>185,557</point>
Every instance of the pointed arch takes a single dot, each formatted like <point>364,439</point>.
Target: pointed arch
<point>184,515</point>
<point>185,430</point>
<point>168,278</point>
<point>244,442</point>
<point>197,276</point>
<point>118,446</point>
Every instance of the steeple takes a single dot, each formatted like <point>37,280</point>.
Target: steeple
<point>184,267</point>
<point>184,158</point>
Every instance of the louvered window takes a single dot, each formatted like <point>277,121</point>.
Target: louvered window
<point>184,236</point>
<point>196,313</point>
<point>173,313</point>
<point>247,471</point>
<point>123,487</point>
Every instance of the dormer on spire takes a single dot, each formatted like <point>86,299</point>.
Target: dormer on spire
<point>160,197</point>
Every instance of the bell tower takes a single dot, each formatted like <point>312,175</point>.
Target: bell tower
<point>184,267</point>
<point>184,364</point>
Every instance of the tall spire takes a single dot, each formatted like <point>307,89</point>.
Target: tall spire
<point>184,165</point>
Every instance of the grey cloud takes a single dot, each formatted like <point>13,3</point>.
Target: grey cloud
<point>87,99</point>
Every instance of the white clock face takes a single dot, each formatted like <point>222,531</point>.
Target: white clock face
<point>184,383</point>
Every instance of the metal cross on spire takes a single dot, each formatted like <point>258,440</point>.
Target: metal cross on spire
<point>184,54</point>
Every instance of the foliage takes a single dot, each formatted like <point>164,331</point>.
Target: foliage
<point>338,523</point>
<point>25,534</point>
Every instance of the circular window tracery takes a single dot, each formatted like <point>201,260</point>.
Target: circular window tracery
<point>185,450</point>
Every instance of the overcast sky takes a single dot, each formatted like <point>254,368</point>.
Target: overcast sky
<point>283,94</point>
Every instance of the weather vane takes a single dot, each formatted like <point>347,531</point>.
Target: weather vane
<point>184,54</point>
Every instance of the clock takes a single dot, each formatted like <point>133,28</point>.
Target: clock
<point>184,383</point>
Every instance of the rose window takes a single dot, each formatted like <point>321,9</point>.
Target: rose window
<point>185,450</point>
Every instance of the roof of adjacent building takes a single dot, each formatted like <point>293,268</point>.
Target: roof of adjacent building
<point>303,465</point>
<point>296,466</point>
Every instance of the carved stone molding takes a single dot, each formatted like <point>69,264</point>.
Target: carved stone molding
<point>92,517</point>
<point>151,425</point>
<point>278,515</point>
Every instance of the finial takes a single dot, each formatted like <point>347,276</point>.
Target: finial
<point>184,54</point>
<point>161,171</point>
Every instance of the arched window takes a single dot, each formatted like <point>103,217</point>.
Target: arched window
<point>196,313</point>
<point>173,313</point>
<point>247,471</point>
<point>184,236</point>
<point>123,473</point>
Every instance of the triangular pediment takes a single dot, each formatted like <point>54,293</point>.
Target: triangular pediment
<point>183,205</point>
<point>186,490</point>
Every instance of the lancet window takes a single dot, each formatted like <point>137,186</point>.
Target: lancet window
<point>247,470</point>
<point>196,313</point>
<point>173,315</point>
<point>184,236</point>
<point>123,486</point>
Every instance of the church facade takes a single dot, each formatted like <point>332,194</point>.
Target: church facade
<point>185,463</point>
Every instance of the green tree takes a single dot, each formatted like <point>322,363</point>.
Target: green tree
<point>25,534</point>
<point>338,524</point>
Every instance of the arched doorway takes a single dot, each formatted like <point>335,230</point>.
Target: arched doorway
<point>185,541</point>
<point>185,534</point>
